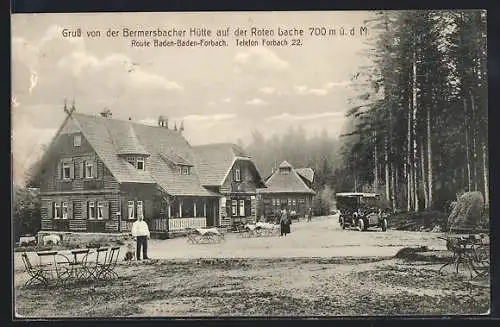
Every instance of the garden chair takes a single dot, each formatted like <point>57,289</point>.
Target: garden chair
<point>35,273</point>
<point>107,270</point>
<point>93,269</point>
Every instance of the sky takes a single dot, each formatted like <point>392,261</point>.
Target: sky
<point>221,94</point>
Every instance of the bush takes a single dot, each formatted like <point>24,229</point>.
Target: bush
<point>467,212</point>
<point>322,201</point>
<point>26,211</point>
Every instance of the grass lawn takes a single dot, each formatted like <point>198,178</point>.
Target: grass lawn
<point>263,287</point>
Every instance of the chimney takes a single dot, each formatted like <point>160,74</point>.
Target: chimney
<point>106,113</point>
<point>66,106</point>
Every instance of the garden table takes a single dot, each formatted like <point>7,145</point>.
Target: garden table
<point>52,271</point>
<point>469,250</point>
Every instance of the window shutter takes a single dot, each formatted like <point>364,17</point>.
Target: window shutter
<point>50,209</point>
<point>95,167</point>
<point>85,208</point>
<point>59,170</point>
<point>70,209</point>
<point>82,169</point>
<point>72,171</point>
<point>105,209</point>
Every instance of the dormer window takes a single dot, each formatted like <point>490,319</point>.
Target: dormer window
<point>285,171</point>
<point>77,140</point>
<point>140,163</point>
<point>137,162</point>
<point>184,170</point>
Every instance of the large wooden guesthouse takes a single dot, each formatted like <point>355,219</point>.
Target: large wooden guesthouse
<point>99,174</point>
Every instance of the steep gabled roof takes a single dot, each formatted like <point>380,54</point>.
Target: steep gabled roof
<point>286,183</point>
<point>128,144</point>
<point>214,162</point>
<point>307,173</point>
<point>285,164</point>
<point>106,137</point>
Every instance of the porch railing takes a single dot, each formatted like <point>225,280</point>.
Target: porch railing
<point>177,224</point>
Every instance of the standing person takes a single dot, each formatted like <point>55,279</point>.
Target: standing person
<point>285,222</point>
<point>140,231</point>
<point>309,214</point>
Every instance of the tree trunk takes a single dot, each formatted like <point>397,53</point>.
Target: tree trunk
<point>485,177</point>
<point>414,130</point>
<point>422,170</point>
<point>393,188</point>
<point>375,170</point>
<point>429,157</point>
<point>467,155</point>
<point>386,162</point>
<point>474,132</point>
<point>407,162</point>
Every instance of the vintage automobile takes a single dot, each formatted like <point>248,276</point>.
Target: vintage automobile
<point>361,210</point>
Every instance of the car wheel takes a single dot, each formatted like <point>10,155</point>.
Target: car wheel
<point>342,223</point>
<point>384,225</point>
<point>361,225</point>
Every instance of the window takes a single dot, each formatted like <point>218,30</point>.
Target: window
<point>131,213</point>
<point>140,163</point>
<point>65,210</point>
<point>285,171</point>
<point>294,202</point>
<point>234,210</point>
<point>100,210</point>
<point>77,140</point>
<point>139,209</point>
<point>89,170</point>
<point>237,175</point>
<point>66,171</point>
<point>57,210</point>
<point>131,160</point>
<point>184,170</point>
<point>242,208</point>
<point>91,210</point>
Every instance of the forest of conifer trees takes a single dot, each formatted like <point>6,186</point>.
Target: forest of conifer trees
<point>417,131</point>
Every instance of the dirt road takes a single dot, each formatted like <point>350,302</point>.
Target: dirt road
<point>323,237</point>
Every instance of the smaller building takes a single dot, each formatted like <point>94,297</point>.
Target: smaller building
<point>225,169</point>
<point>288,188</point>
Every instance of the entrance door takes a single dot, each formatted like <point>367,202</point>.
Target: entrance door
<point>212,214</point>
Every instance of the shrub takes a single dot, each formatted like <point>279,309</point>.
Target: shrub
<point>26,211</point>
<point>467,212</point>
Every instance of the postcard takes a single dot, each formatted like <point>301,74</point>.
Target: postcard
<point>250,164</point>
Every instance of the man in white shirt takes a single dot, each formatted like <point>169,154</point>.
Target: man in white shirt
<point>140,231</point>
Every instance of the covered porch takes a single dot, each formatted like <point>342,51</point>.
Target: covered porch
<point>181,212</point>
